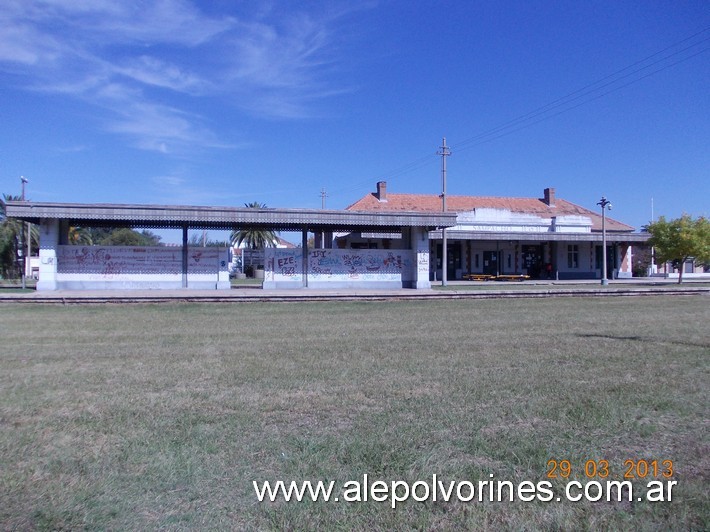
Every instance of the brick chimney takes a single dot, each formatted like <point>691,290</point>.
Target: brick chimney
<point>550,197</point>
<point>382,190</point>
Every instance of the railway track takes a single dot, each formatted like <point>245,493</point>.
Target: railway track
<point>252,296</point>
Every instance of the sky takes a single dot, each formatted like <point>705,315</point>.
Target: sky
<point>229,102</point>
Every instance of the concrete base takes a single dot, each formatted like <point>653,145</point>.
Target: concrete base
<point>361,285</point>
<point>46,285</point>
<point>281,285</point>
<point>336,285</point>
<point>417,285</point>
<point>686,276</point>
<point>571,276</point>
<point>132,285</point>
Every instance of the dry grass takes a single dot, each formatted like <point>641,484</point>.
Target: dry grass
<point>141,417</point>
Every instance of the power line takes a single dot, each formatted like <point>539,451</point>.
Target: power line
<point>484,140</point>
<point>410,167</point>
<point>564,104</point>
<point>589,90</point>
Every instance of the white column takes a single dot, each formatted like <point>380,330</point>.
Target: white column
<point>420,251</point>
<point>48,242</point>
<point>223,272</point>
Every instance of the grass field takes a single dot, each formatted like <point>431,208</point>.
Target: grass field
<point>553,286</point>
<point>146,417</point>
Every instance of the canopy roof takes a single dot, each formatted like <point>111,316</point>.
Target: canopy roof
<point>199,217</point>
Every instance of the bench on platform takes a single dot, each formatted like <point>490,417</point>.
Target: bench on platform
<point>487,277</point>
<point>519,277</point>
<point>478,277</point>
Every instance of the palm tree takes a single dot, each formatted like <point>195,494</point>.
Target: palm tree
<point>79,236</point>
<point>254,237</point>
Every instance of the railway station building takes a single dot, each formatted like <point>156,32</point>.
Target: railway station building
<point>546,237</point>
<point>383,240</point>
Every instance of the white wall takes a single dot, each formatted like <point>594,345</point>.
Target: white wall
<point>339,268</point>
<point>129,267</point>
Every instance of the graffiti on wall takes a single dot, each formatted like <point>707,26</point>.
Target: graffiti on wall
<point>283,265</point>
<point>370,264</point>
<point>338,264</point>
<point>118,260</point>
<point>423,263</point>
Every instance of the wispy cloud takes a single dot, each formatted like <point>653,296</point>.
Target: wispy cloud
<point>76,148</point>
<point>153,71</point>
<point>279,70</point>
<point>168,181</point>
<point>155,126</point>
<point>177,188</point>
<point>149,65</point>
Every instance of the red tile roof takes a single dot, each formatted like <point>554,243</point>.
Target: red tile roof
<point>285,243</point>
<point>432,203</point>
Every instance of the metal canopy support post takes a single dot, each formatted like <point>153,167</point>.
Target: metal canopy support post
<point>22,241</point>
<point>63,234</point>
<point>304,256</point>
<point>184,256</point>
<point>497,258</point>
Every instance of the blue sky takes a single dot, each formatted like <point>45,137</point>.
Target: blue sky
<point>226,102</point>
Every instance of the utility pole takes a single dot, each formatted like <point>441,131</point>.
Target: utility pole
<point>444,152</point>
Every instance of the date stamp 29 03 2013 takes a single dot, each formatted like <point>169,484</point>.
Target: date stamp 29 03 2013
<point>632,469</point>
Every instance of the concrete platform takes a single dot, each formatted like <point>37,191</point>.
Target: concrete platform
<point>454,290</point>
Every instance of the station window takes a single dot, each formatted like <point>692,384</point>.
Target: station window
<point>573,256</point>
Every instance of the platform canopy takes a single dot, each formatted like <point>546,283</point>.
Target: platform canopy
<point>199,217</point>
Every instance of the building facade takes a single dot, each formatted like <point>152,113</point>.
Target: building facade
<point>544,237</point>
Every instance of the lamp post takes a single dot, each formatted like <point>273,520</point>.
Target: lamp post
<point>22,231</point>
<point>604,204</point>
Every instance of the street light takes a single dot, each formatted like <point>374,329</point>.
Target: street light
<point>604,204</point>
<point>22,231</point>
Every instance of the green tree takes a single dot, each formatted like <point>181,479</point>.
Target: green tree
<point>79,236</point>
<point>195,240</point>
<point>13,233</point>
<point>202,239</point>
<point>254,237</point>
<point>642,260</point>
<point>98,234</point>
<point>150,238</point>
<point>102,236</point>
<point>681,239</point>
<point>125,236</point>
